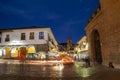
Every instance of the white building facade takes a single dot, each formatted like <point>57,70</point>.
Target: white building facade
<point>81,48</point>
<point>25,42</point>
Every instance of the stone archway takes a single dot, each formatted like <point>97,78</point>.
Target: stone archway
<point>96,47</point>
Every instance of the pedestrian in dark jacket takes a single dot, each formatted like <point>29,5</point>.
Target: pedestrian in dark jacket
<point>87,61</point>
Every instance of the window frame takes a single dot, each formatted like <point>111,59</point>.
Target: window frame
<point>23,36</point>
<point>7,38</point>
<point>31,36</point>
<point>41,35</point>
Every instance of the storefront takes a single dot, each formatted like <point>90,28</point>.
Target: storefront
<point>81,55</point>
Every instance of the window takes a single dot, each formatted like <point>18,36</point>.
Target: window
<point>0,39</point>
<point>0,36</point>
<point>49,37</point>
<point>41,35</point>
<point>52,42</point>
<point>22,36</point>
<point>31,35</point>
<point>7,38</point>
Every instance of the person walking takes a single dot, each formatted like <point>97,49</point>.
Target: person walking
<point>87,61</point>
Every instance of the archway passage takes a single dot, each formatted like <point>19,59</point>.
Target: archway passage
<point>96,47</point>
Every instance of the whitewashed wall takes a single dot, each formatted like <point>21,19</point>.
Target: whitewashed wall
<point>15,36</point>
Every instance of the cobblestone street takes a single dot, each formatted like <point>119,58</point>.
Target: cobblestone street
<point>23,71</point>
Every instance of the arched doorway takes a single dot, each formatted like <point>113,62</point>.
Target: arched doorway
<point>1,52</point>
<point>7,52</point>
<point>23,52</point>
<point>30,52</point>
<point>96,46</point>
<point>14,52</point>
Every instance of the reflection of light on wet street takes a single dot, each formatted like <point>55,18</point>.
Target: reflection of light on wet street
<point>58,67</point>
<point>44,69</point>
<point>85,72</point>
<point>24,71</point>
<point>82,70</point>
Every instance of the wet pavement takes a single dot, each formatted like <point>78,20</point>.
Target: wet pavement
<point>39,71</point>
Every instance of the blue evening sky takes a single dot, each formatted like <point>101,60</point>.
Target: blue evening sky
<point>64,17</point>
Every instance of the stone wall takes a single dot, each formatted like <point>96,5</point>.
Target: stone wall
<point>107,23</point>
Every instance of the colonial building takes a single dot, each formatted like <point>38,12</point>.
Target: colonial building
<point>26,42</point>
<point>81,48</point>
<point>103,33</point>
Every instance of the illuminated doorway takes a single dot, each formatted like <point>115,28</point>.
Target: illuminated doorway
<point>31,52</point>
<point>1,54</point>
<point>7,52</point>
<point>14,52</point>
<point>96,47</point>
<point>22,53</point>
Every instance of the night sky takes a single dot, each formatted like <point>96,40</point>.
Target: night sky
<point>64,17</point>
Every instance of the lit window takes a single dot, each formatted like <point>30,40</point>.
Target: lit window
<point>22,36</point>
<point>41,35</point>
